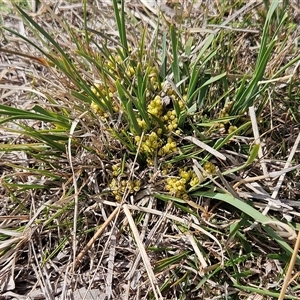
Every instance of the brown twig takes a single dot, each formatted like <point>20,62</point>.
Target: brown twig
<point>95,237</point>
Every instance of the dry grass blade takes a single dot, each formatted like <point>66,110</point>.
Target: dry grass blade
<point>277,225</point>
<point>75,178</point>
<point>269,175</point>
<point>257,139</point>
<point>10,232</point>
<point>148,6</point>
<point>204,265</point>
<point>292,234</point>
<point>2,218</point>
<point>6,244</point>
<point>145,258</point>
<point>290,268</point>
<point>197,167</point>
<point>111,263</point>
<point>13,89</point>
<point>42,275</point>
<point>287,164</point>
<point>206,147</point>
<point>136,262</point>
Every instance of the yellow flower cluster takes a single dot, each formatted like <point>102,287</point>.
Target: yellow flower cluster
<point>95,107</point>
<point>151,142</point>
<point>190,176</point>
<point>114,62</point>
<point>194,181</point>
<point>173,95</point>
<point>181,103</point>
<point>224,112</point>
<point>166,168</point>
<point>141,123</point>
<point>153,80</point>
<point>170,92</point>
<point>169,147</point>
<point>116,169</point>
<point>130,72</point>
<point>119,188</point>
<point>99,111</point>
<point>231,129</point>
<point>155,141</point>
<point>155,107</point>
<point>185,174</point>
<point>171,120</point>
<point>177,186</point>
<point>209,168</point>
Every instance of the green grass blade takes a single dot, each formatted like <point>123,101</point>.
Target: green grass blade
<point>42,115</point>
<point>163,66</point>
<point>132,118</point>
<point>213,79</point>
<point>245,97</point>
<point>169,261</point>
<point>175,62</point>
<point>120,20</point>
<point>46,35</point>
<point>254,290</point>
<point>239,204</point>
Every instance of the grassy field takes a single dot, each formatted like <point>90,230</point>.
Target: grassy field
<point>150,153</point>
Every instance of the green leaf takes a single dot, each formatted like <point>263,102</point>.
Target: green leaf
<point>120,19</point>
<point>175,62</point>
<point>213,79</point>
<point>163,67</point>
<point>132,118</point>
<point>16,113</point>
<point>170,261</point>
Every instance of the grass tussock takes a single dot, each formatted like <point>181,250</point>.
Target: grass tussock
<point>150,153</point>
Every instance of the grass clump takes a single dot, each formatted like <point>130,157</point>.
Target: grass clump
<point>139,156</point>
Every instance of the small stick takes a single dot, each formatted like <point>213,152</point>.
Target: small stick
<point>95,237</point>
<point>290,269</point>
